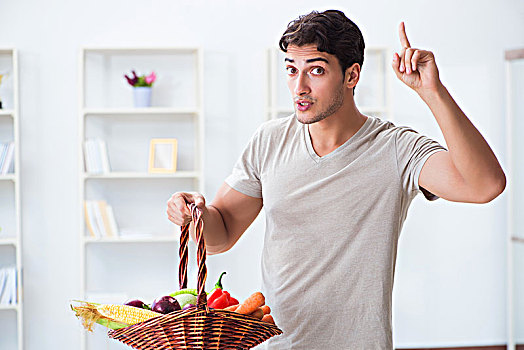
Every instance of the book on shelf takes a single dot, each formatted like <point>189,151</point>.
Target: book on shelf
<point>100,219</point>
<point>8,292</point>
<point>7,151</point>
<point>96,159</point>
<point>3,153</point>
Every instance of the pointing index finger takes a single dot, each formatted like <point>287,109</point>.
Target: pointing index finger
<point>403,37</point>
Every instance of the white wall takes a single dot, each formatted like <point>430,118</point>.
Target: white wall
<point>450,286</point>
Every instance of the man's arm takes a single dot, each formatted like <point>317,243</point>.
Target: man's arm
<point>469,171</point>
<point>225,220</point>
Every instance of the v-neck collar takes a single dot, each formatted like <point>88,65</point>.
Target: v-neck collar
<point>352,139</point>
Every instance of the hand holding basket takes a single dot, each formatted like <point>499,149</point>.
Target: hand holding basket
<point>200,327</point>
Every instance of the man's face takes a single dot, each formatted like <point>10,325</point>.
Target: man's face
<point>315,81</point>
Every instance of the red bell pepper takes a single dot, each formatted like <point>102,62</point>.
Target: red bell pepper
<point>221,302</point>
<point>215,295</point>
<point>219,298</point>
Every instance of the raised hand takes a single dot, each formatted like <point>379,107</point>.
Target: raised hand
<point>414,67</point>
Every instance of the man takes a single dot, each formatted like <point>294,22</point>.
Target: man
<point>336,186</point>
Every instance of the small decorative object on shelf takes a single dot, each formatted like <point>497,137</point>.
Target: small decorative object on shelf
<point>163,156</point>
<point>141,88</point>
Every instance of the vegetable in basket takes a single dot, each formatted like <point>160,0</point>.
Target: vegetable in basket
<point>137,303</point>
<point>113,316</point>
<point>220,299</point>
<point>185,299</point>
<point>165,305</point>
<point>188,306</point>
<point>251,304</point>
<point>194,292</point>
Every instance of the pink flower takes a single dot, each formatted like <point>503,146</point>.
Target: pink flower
<point>150,79</point>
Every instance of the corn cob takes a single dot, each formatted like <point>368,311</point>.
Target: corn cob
<point>125,313</point>
<point>111,316</point>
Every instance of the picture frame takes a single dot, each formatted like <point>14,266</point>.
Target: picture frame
<point>163,156</point>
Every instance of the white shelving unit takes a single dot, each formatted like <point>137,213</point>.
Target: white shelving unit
<point>373,91</point>
<point>11,316</point>
<point>514,190</point>
<point>150,253</point>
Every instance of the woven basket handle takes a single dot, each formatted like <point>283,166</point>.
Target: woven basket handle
<point>198,226</point>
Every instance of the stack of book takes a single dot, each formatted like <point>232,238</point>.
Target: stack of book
<point>96,160</point>
<point>7,151</point>
<point>100,220</point>
<point>8,286</point>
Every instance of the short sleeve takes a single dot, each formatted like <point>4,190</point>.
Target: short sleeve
<point>245,175</point>
<point>413,150</point>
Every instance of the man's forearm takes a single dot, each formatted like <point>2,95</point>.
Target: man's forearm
<point>215,232</point>
<point>469,151</point>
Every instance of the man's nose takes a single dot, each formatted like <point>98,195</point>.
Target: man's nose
<point>302,86</point>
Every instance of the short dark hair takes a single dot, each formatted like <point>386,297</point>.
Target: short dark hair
<point>331,31</point>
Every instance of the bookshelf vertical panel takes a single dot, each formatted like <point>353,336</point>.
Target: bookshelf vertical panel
<point>141,259</point>
<point>11,308</point>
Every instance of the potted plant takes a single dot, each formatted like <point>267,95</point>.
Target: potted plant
<point>141,88</point>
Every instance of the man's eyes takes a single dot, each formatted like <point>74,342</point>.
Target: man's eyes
<point>315,70</point>
<point>291,70</point>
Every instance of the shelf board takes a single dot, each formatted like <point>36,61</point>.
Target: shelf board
<point>8,241</point>
<point>131,239</point>
<point>9,177</point>
<point>141,50</point>
<point>7,112</point>
<point>9,307</point>
<point>110,112</point>
<point>137,175</point>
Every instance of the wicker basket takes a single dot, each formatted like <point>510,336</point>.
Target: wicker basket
<point>199,327</point>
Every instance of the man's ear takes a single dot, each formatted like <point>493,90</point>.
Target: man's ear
<point>352,75</point>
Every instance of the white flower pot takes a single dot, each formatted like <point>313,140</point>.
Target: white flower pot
<point>142,96</point>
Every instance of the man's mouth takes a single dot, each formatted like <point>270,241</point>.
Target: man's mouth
<point>303,105</point>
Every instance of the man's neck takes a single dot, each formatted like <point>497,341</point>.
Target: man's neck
<point>332,132</point>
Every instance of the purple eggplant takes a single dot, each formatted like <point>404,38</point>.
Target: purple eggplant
<point>165,305</point>
<point>136,303</point>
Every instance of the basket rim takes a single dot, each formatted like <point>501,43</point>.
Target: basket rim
<point>194,312</point>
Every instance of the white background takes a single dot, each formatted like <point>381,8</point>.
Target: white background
<point>450,280</point>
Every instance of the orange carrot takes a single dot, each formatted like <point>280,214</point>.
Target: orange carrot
<point>268,318</point>
<point>266,309</point>
<point>258,313</point>
<point>232,307</point>
<point>252,303</point>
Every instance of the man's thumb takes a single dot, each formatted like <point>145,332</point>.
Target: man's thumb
<point>199,200</point>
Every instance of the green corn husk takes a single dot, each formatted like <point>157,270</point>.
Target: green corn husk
<point>111,324</point>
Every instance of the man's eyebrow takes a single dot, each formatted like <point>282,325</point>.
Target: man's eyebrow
<point>311,60</point>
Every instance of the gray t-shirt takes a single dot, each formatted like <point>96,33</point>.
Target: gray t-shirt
<point>332,226</point>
